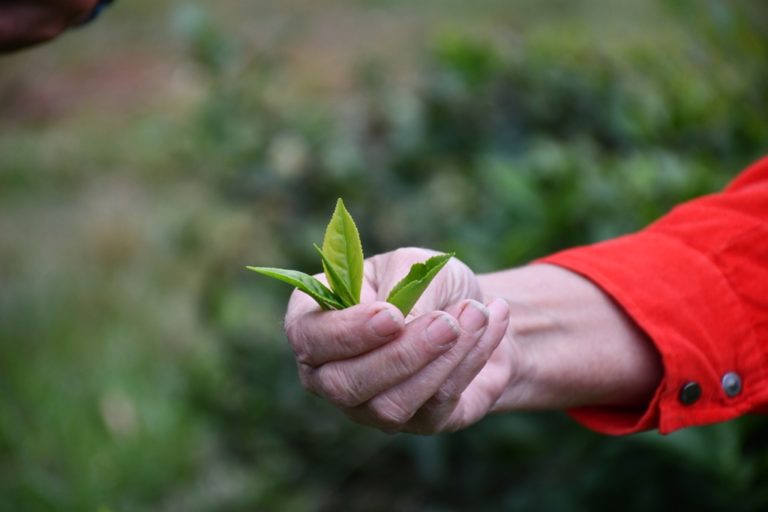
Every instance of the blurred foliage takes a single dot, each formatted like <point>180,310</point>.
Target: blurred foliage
<point>142,368</point>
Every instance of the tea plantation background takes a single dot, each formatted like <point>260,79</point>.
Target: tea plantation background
<point>146,159</point>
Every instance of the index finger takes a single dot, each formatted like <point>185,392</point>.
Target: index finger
<point>318,337</point>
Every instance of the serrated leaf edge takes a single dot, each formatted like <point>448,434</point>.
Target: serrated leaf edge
<point>338,285</point>
<point>353,247</point>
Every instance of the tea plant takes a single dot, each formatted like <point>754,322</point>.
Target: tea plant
<point>342,258</point>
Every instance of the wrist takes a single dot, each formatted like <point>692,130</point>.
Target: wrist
<point>533,383</point>
<point>571,344</point>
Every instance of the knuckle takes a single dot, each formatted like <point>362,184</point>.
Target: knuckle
<point>305,377</point>
<point>403,359</point>
<point>299,342</point>
<point>302,353</point>
<point>336,386</point>
<point>446,394</point>
<point>345,333</point>
<point>389,413</point>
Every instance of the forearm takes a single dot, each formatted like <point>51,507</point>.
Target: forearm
<point>574,345</point>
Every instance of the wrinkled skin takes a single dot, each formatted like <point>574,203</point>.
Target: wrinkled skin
<point>440,369</point>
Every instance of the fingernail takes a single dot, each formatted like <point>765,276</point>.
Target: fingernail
<point>384,323</point>
<point>473,316</point>
<point>497,304</point>
<point>442,331</point>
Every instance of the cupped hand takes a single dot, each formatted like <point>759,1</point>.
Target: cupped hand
<point>440,369</point>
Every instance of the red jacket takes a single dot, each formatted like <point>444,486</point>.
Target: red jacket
<point>696,281</point>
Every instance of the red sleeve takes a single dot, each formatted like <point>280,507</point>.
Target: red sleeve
<point>696,281</point>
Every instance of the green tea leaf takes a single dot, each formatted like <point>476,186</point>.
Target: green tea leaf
<point>342,257</point>
<point>306,283</point>
<point>405,293</point>
<point>338,284</point>
<point>342,248</point>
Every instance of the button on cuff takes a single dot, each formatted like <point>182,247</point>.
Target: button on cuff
<point>731,384</point>
<point>689,393</point>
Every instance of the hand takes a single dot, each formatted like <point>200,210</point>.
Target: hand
<point>25,23</point>
<point>442,368</point>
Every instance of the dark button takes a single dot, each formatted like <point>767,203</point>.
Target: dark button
<point>689,393</point>
<point>731,384</point>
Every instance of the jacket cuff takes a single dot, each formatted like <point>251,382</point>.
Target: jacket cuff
<point>685,305</point>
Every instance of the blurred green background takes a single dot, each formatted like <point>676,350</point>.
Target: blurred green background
<point>146,159</point>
